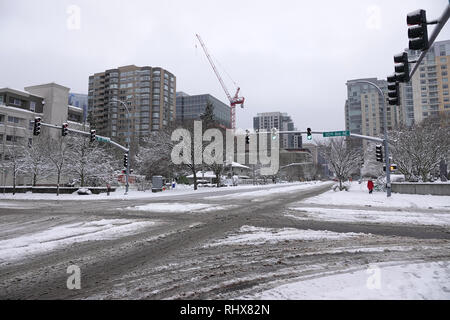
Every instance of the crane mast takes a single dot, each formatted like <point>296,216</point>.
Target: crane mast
<point>236,100</point>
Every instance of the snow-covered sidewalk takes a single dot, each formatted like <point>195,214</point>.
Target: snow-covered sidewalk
<point>134,194</point>
<point>427,280</point>
<point>370,216</point>
<point>359,196</point>
<point>271,191</point>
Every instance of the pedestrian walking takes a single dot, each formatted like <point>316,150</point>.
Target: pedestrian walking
<point>370,186</point>
<point>108,189</point>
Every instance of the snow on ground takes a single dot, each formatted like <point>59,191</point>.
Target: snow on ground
<point>134,194</point>
<point>11,205</point>
<point>359,195</point>
<point>178,207</point>
<point>271,191</point>
<point>66,234</point>
<point>425,280</point>
<point>371,216</point>
<point>255,235</point>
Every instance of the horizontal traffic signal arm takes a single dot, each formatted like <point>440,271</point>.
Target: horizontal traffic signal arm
<point>440,23</point>
<point>106,139</point>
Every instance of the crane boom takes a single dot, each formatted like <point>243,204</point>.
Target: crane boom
<point>233,100</point>
<point>214,68</point>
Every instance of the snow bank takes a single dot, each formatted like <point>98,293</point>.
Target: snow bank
<point>254,235</point>
<point>371,216</point>
<point>66,234</point>
<point>178,207</point>
<point>359,195</point>
<point>406,281</point>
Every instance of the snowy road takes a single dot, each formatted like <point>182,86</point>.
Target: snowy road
<point>257,242</point>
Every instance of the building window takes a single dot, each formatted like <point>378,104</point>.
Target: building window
<point>33,106</point>
<point>13,119</point>
<point>443,60</point>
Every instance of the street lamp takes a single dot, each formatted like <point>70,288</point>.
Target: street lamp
<point>386,148</point>
<point>128,143</point>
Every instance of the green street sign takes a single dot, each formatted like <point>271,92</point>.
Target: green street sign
<point>101,139</point>
<point>336,134</point>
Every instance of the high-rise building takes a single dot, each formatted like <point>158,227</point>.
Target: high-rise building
<point>428,93</point>
<point>149,94</point>
<point>192,107</point>
<point>79,100</point>
<point>282,122</point>
<point>363,108</point>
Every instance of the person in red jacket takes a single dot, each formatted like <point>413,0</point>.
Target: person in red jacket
<point>370,185</point>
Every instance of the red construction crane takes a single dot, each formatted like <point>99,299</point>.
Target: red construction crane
<point>233,100</point>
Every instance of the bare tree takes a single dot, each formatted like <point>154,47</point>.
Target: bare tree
<point>342,156</point>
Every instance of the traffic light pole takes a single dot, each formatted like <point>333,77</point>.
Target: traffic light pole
<point>385,140</point>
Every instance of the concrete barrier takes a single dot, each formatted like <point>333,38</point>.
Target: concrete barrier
<point>436,189</point>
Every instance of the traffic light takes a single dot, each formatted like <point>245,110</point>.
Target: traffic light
<point>393,91</point>
<point>125,160</point>
<point>418,31</point>
<point>65,129</point>
<point>402,67</point>
<point>308,134</point>
<point>37,126</point>
<point>93,135</point>
<point>379,153</point>
<point>274,133</point>
<point>247,138</point>
<point>392,167</point>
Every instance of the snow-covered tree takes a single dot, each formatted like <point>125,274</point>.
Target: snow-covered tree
<point>89,162</point>
<point>153,156</point>
<point>36,163</point>
<point>342,157</point>
<point>15,161</point>
<point>58,155</point>
<point>418,150</point>
<point>371,167</point>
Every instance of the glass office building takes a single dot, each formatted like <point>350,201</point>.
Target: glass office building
<point>192,107</point>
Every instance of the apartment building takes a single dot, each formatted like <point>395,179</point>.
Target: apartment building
<point>18,110</point>
<point>427,94</point>
<point>147,92</point>
<point>192,107</point>
<point>282,122</point>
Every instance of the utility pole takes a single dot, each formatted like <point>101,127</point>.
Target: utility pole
<point>127,169</point>
<point>385,140</point>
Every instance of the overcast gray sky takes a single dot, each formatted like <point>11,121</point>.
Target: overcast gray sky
<point>288,56</point>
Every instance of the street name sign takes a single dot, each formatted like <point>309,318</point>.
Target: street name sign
<point>336,134</point>
<point>101,139</point>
